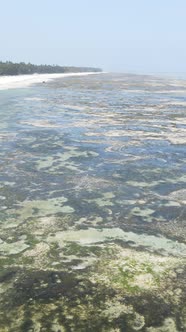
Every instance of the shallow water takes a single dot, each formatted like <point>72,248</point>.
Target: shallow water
<point>93,196</point>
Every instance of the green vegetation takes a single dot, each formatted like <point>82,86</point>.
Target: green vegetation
<point>10,68</point>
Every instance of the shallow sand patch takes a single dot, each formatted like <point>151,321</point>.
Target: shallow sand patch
<point>92,236</point>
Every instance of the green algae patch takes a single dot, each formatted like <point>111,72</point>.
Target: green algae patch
<point>102,299</point>
<point>73,248</point>
<point>134,271</point>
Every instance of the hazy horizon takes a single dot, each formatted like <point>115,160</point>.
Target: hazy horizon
<point>124,36</point>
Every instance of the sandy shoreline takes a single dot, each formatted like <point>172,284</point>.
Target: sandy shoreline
<point>23,81</point>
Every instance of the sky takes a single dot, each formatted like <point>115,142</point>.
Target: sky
<point>147,36</point>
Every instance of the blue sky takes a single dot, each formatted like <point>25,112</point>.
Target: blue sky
<point>119,35</point>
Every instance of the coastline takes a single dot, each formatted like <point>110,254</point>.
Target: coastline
<point>23,81</point>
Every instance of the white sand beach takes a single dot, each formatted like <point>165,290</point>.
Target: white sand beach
<point>23,81</point>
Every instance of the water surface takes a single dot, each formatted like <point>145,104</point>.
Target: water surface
<point>92,197</point>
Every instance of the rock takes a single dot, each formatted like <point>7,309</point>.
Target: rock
<point>168,326</point>
<point>137,323</point>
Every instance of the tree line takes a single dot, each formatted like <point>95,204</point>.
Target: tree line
<point>22,68</point>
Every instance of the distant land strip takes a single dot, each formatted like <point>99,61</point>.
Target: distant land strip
<point>10,68</point>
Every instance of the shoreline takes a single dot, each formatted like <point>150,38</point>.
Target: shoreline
<point>23,81</point>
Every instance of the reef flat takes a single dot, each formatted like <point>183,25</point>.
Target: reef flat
<point>93,205</point>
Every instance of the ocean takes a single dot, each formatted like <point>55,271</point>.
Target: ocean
<point>93,205</point>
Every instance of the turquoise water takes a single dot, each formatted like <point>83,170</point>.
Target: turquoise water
<point>92,196</point>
